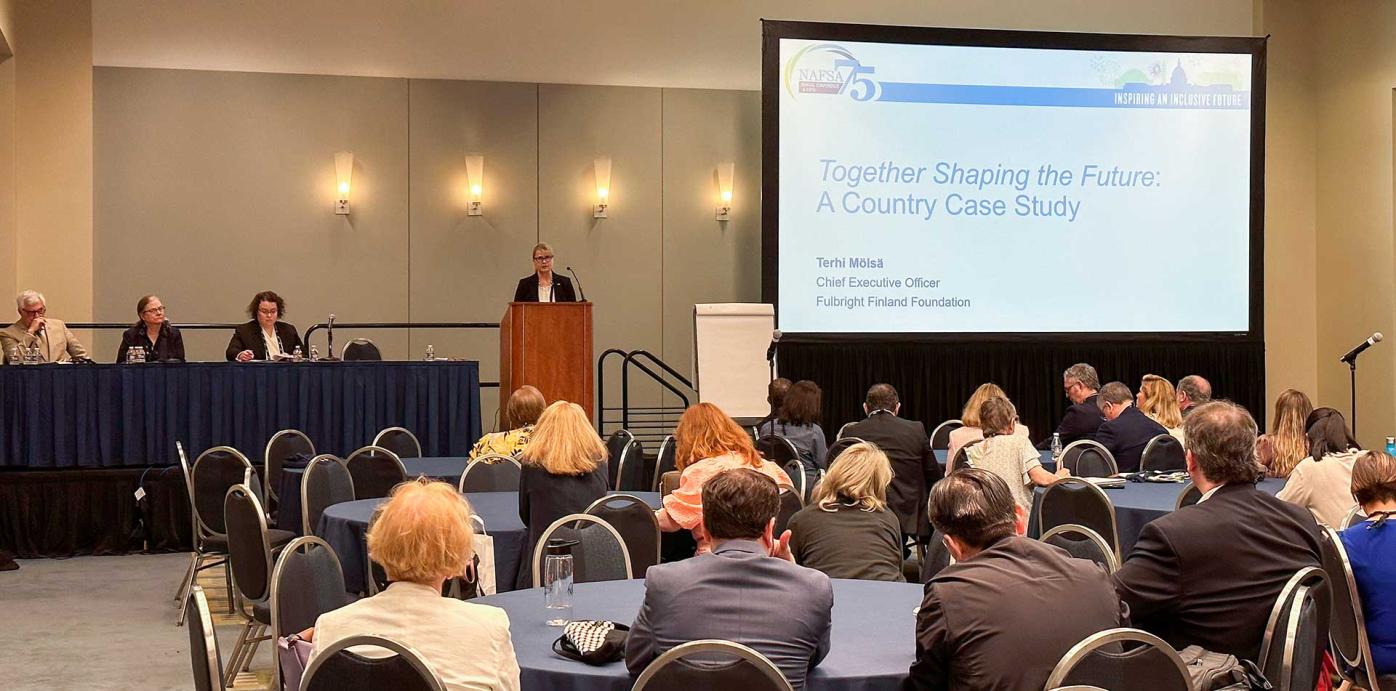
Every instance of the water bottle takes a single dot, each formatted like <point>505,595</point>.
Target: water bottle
<point>1056,445</point>
<point>14,355</point>
<point>314,353</point>
<point>31,355</point>
<point>135,354</point>
<point>557,581</point>
<point>431,352</point>
<point>1391,446</point>
<point>296,355</point>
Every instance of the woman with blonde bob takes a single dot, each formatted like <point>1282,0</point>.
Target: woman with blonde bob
<point>847,531</point>
<point>422,536</point>
<point>520,414</point>
<point>972,428</point>
<point>1288,441</point>
<point>1159,401</point>
<point>708,442</point>
<point>564,471</point>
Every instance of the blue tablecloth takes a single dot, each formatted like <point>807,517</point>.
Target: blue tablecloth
<point>343,527</point>
<point>288,517</point>
<point>125,415</point>
<point>872,647</point>
<point>1047,463</point>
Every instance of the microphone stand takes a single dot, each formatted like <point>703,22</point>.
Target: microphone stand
<point>1352,372</point>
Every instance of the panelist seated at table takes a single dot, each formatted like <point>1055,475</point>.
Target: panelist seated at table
<point>1010,607</point>
<point>747,590</point>
<point>544,285</point>
<point>55,342</point>
<point>265,337</point>
<point>422,536</point>
<point>1126,430</point>
<point>161,341</point>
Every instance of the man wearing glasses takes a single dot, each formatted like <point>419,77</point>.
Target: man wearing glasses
<point>1083,418</point>
<point>544,285</point>
<point>55,342</point>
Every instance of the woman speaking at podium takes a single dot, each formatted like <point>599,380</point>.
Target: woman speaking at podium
<point>544,285</point>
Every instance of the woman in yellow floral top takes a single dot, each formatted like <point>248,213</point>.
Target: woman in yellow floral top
<point>520,414</point>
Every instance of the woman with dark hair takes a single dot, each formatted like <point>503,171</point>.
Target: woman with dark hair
<point>1371,547</point>
<point>160,340</point>
<point>266,337</point>
<point>798,421</point>
<point>1322,483</point>
<point>521,412</point>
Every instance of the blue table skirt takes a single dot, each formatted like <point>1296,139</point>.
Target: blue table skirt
<point>54,416</point>
<point>288,517</point>
<point>872,647</point>
<point>1048,464</point>
<point>343,527</point>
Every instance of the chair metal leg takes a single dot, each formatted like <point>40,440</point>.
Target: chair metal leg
<point>256,640</point>
<point>187,586</point>
<point>230,671</point>
<point>180,593</point>
<point>228,581</point>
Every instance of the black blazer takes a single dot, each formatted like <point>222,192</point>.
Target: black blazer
<point>1127,435</point>
<point>544,498</point>
<point>914,466</point>
<point>528,289</point>
<point>170,345</point>
<point>1208,574</point>
<point>249,337</point>
<point>1080,422</point>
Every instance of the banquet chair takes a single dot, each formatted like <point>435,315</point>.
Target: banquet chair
<point>338,669</point>
<point>360,349</point>
<point>282,446</point>
<point>796,470</point>
<point>615,450</point>
<point>210,549</point>
<point>1101,660</point>
<point>1354,517</point>
<point>1074,501</point>
<point>961,460</point>
<point>250,556</point>
<point>667,459</point>
<point>400,441</point>
<point>935,557</point>
<point>203,644</point>
<point>600,555</point>
<point>842,429</point>
<point>306,582</point>
<point>376,471</point>
<point>637,525</point>
<point>490,473</point>
<point>712,664</point>
<point>777,449</point>
<point>327,482</point>
<point>1083,543</point>
<point>1163,452</point>
<point>668,482</point>
<point>1088,458</point>
<point>790,504</point>
<point>630,468</point>
<point>840,446</point>
<point>1347,632</point>
<point>940,436</point>
<point>1296,634</point>
<point>1188,496</point>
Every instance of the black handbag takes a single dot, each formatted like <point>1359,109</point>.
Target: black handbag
<point>593,642</point>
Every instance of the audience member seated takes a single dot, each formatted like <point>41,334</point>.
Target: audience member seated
<point>971,429</point>
<point>422,537</point>
<point>798,421</point>
<point>914,466</point>
<point>1126,430</point>
<point>747,590</point>
<point>847,530</point>
<point>1083,418</point>
<point>1288,440</point>
<point>775,396</point>
<point>707,443</point>
<point>520,414</point>
<point>1322,482</point>
<point>160,340</point>
<point>1010,607</point>
<point>56,343</point>
<point>1009,456</point>
<point>1371,547</point>
<point>1208,574</point>
<point>1159,401</point>
<point>266,337</point>
<point>564,471</point>
<point>1193,391</point>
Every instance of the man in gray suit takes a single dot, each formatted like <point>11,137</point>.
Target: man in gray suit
<point>747,590</point>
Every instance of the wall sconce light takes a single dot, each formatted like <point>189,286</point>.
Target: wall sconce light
<point>724,191</point>
<point>343,171</point>
<point>475,177</point>
<point>603,186</point>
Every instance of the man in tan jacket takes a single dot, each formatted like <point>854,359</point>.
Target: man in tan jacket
<point>56,343</point>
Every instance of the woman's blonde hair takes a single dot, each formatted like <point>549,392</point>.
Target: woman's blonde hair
<point>524,407</point>
<point>970,415</point>
<point>1158,400</point>
<point>861,474</point>
<point>563,441</point>
<point>704,431</point>
<point>1288,434</point>
<point>422,534</point>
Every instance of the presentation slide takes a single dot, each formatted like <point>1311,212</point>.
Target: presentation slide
<point>966,189</point>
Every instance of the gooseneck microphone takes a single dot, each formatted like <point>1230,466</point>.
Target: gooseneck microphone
<point>771,349</point>
<point>580,291</point>
<point>1351,355</point>
<point>331,335</point>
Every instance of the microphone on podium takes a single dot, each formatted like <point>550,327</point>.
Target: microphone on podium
<point>580,292</point>
<point>1351,355</point>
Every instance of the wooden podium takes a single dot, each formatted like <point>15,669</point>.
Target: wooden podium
<point>548,345</point>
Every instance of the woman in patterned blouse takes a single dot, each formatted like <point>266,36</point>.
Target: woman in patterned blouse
<point>520,414</point>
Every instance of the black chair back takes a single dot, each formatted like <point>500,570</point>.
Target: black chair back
<point>599,555</point>
<point>1355,516</point>
<point>203,644</point>
<point>712,665</point>
<point>940,436</point>
<point>1163,452</point>
<point>630,468</point>
<point>249,547</point>
<point>326,482</point>
<point>400,441</point>
<point>777,449</point>
<point>1083,543</point>
<point>492,473</point>
<point>798,477</point>
<point>615,449</point>
<point>790,504</point>
<point>668,482</point>
<point>214,471</point>
<point>1296,635</point>
<point>840,446</point>
<point>1074,501</point>
<point>282,446</point>
<point>1102,660</point>
<point>667,459</point>
<point>1347,625</point>
<point>360,349</point>
<point>1188,496</point>
<point>1086,458</point>
<point>376,471</point>
<point>337,669</point>
<point>637,525</point>
<point>308,581</point>
<point>961,460</point>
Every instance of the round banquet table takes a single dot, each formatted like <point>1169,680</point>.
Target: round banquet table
<point>872,646</point>
<point>1048,464</point>
<point>288,516</point>
<point>343,527</point>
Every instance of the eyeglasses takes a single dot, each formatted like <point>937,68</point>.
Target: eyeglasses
<point>544,258</point>
<point>35,313</point>
<point>270,313</point>
<point>154,310</point>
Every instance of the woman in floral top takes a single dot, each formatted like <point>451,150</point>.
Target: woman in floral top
<point>520,414</point>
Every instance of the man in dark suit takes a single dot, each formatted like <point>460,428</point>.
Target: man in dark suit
<point>1010,607</point>
<point>747,590</point>
<point>1208,574</point>
<point>1083,418</point>
<point>1126,430</point>
<point>1193,391</point>
<point>914,466</point>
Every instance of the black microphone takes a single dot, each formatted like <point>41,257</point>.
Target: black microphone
<point>579,283</point>
<point>330,335</point>
<point>771,350</point>
<point>1352,354</point>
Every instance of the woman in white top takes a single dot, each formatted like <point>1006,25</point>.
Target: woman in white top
<point>972,429</point>
<point>1008,455</point>
<point>422,537</point>
<point>1322,483</point>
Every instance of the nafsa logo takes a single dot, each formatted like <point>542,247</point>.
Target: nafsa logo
<point>827,68</point>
